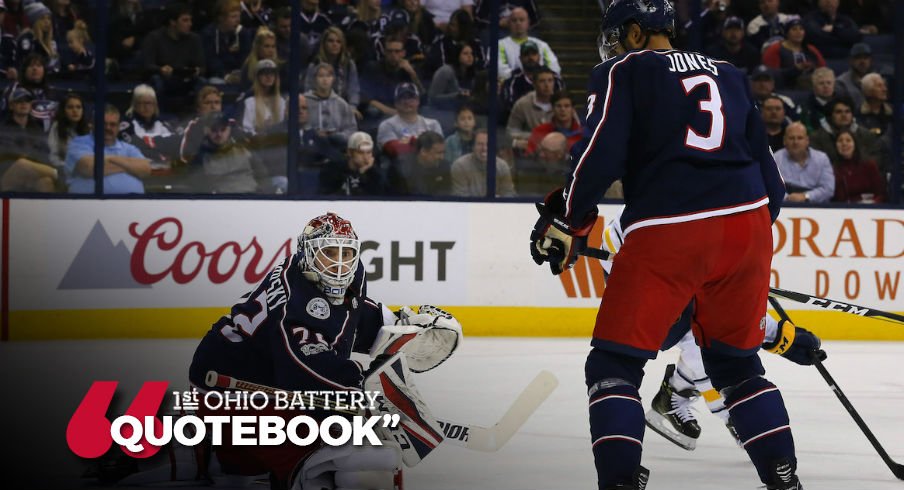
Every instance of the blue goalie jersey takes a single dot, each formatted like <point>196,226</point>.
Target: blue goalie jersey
<point>683,133</point>
<point>286,334</point>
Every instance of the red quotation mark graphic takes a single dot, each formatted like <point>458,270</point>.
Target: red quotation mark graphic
<point>88,433</point>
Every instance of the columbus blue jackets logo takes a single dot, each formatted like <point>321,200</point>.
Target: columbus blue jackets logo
<point>318,308</point>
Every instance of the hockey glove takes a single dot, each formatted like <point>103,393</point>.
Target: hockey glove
<point>553,240</point>
<point>612,237</point>
<point>795,344</point>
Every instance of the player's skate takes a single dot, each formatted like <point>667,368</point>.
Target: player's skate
<point>784,477</point>
<point>671,416</point>
<point>641,477</point>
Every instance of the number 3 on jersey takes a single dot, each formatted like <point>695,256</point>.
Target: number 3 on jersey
<point>712,105</point>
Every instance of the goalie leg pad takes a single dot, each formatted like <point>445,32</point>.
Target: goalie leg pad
<point>616,416</point>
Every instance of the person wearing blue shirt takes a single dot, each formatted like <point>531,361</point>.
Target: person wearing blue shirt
<point>807,172</point>
<point>124,165</point>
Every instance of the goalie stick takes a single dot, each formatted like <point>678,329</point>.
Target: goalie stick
<point>897,469</point>
<point>472,437</point>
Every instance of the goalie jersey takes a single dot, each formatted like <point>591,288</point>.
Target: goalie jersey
<point>683,133</point>
<point>286,334</point>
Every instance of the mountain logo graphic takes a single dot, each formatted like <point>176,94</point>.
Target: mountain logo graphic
<point>100,264</point>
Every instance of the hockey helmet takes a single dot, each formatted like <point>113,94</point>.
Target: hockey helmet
<point>650,15</point>
<point>330,252</point>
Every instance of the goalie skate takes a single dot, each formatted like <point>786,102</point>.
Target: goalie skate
<point>670,414</point>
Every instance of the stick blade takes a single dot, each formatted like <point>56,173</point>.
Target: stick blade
<point>536,392</point>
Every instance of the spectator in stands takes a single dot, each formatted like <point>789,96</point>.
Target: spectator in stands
<point>264,47</point>
<point>63,16</point>
<point>807,171</point>
<point>733,48</point>
<point>533,109</point>
<point>772,110</point>
<point>380,79</point>
<point>547,169</point>
<point>469,172</point>
<point>462,140</point>
<point>15,19</point>
<point>861,63</point>
<point>330,115</point>
<point>398,27</point>
<point>871,15</point>
<point>510,46</point>
<point>453,84</point>
<point>174,55</point>
<point>506,8</point>
<point>564,121</point>
<point>78,57</point>
<point>32,78</point>
<point>876,114</point>
<point>839,116</point>
<point>266,105</point>
<point>425,172</point>
<point>208,100</point>
<point>522,80</point>
<point>224,164</point>
<point>143,128</point>
<point>443,11</point>
<point>397,135</point>
<point>313,21</point>
<point>23,149</point>
<point>460,31</point>
<point>226,43</point>
<point>7,48</point>
<point>129,24</point>
<point>368,14</point>
<point>68,123</point>
<point>420,21</point>
<point>767,25</point>
<point>762,84</point>
<point>283,28</point>
<point>823,90</point>
<point>856,179</point>
<point>793,57</point>
<point>255,14</point>
<point>832,33</point>
<point>124,165</point>
<point>334,52</point>
<point>358,175</point>
<point>39,37</point>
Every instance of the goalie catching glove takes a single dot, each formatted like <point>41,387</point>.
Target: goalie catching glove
<point>796,344</point>
<point>553,239</point>
<point>427,337</point>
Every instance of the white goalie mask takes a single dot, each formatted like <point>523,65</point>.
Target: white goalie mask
<point>331,251</point>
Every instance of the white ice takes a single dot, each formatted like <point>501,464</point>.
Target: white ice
<point>550,452</point>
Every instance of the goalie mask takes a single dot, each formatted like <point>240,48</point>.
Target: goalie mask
<point>330,250</point>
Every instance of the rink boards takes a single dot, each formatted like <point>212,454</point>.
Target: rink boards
<point>170,268</point>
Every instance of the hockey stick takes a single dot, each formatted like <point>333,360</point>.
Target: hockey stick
<point>896,468</point>
<point>833,305</point>
<point>472,437</point>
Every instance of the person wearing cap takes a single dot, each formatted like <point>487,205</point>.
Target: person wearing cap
<point>7,48</point>
<point>398,134</point>
<point>767,25</point>
<point>39,37</point>
<point>762,85</point>
<point>226,43</point>
<point>24,153</point>
<point>174,55</point>
<point>861,63</point>
<point>358,175</point>
<point>265,107</point>
<point>32,77</point>
<point>510,46</point>
<point>831,32</point>
<point>522,80</point>
<point>329,115</point>
<point>224,165</point>
<point>733,48</point>
<point>794,57</point>
<point>124,165</point>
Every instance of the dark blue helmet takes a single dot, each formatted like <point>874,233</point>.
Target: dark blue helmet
<point>650,15</point>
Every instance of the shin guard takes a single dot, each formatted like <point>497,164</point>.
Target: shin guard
<point>616,429</point>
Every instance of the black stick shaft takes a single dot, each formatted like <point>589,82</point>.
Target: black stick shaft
<point>832,305</point>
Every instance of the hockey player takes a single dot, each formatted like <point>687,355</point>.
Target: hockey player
<point>683,134</point>
<point>297,330</point>
<point>670,413</point>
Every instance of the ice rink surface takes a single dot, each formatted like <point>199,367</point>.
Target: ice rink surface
<point>45,381</point>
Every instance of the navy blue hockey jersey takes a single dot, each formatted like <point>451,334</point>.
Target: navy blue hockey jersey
<point>682,132</point>
<point>286,334</point>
